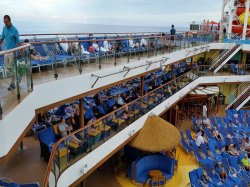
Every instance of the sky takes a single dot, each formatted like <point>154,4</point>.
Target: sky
<point>112,12</point>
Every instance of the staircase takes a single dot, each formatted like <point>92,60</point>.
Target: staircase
<point>218,62</point>
<point>240,96</point>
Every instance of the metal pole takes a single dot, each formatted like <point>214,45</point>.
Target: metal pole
<point>115,57</point>
<point>139,57</point>
<point>246,20</point>
<point>99,55</point>
<point>155,47</point>
<point>79,58</point>
<point>30,70</point>
<point>1,111</point>
<point>55,64</point>
<point>231,15</point>
<point>222,17</point>
<point>17,76</point>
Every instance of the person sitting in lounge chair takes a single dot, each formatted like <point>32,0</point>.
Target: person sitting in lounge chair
<point>232,150</point>
<point>34,54</point>
<point>245,162</point>
<point>143,42</point>
<point>106,44</point>
<point>64,129</point>
<point>221,171</point>
<point>97,47</point>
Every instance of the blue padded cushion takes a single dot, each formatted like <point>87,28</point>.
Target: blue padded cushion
<point>152,162</point>
<point>47,136</point>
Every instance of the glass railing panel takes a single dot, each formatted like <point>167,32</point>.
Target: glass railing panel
<point>60,64</point>
<point>16,78</point>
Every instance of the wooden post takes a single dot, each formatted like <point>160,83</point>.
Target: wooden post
<point>218,101</point>
<point>172,72</point>
<point>142,85</point>
<point>81,111</point>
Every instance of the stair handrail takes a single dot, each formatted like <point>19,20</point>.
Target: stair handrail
<point>225,47</point>
<point>233,95</point>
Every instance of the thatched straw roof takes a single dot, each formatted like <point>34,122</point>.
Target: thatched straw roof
<point>156,135</point>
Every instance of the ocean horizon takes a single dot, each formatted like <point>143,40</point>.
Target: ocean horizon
<point>52,28</point>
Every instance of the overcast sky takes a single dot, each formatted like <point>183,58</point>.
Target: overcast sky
<point>113,12</point>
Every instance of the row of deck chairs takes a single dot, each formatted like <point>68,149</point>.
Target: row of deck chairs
<point>198,179</point>
<point>237,125</point>
<point>6,182</point>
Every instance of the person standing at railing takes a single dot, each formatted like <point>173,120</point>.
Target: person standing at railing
<point>11,37</point>
<point>172,32</point>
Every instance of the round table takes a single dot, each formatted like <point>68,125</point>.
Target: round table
<point>155,173</point>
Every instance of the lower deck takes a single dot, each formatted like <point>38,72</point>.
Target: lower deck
<point>26,166</point>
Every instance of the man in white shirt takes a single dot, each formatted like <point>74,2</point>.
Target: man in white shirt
<point>64,46</point>
<point>106,44</point>
<point>143,42</point>
<point>131,42</point>
<point>200,140</point>
<point>207,122</point>
<point>204,110</point>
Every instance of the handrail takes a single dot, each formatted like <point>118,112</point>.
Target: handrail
<point>108,39</point>
<point>15,49</point>
<point>98,33</point>
<point>98,120</point>
<point>222,54</point>
<point>233,96</point>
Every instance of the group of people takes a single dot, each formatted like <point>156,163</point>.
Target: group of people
<point>241,154</point>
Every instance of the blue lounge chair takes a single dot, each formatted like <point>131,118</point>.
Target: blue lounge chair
<point>201,160</point>
<point>185,145</point>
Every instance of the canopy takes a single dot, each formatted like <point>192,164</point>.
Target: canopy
<point>206,90</point>
<point>213,23</point>
<point>156,135</point>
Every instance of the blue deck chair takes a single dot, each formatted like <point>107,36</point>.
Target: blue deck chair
<point>248,121</point>
<point>216,156</point>
<point>214,176</point>
<point>189,136</point>
<point>226,120</point>
<point>49,62</point>
<point>185,145</point>
<point>237,180</point>
<point>213,121</point>
<point>204,150</point>
<point>89,114</point>
<point>219,144</point>
<point>236,142</point>
<point>220,121</point>
<point>201,160</point>
<point>59,55</point>
<point>236,166</point>
<point>243,183</point>
<point>86,45</point>
<point>207,133</point>
<point>194,181</point>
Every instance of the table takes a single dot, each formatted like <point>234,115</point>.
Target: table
<point>155,173</point>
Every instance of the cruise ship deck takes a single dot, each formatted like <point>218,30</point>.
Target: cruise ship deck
<point>129,109</point>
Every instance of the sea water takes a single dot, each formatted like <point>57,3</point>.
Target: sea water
<point>51,28</point>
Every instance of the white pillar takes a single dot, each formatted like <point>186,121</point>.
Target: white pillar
<point>245,20</point>
<point>231,15</point>
<point>221,21</point>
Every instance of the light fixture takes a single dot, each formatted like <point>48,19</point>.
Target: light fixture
<point>83,169</point>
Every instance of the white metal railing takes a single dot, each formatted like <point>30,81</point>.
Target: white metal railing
<point>238,94</point>
<point>226,47</point>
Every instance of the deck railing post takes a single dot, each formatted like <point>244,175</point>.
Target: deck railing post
<point>79,57</point>
<point>17,75</point>
<point>99,57</point>
<point>55,64</point>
